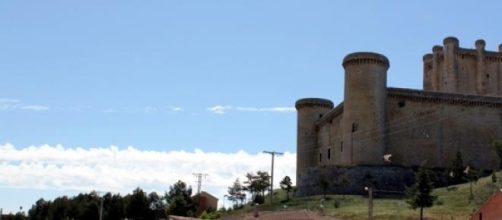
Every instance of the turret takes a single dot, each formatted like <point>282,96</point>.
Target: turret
<point>428,74</point>
<point>450,72</point>
<point>309,111</point>
<point>481,80</point>
<point>364,113</point>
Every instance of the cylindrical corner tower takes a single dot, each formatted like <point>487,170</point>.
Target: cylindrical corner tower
<point>364,113</point>
<point>309,111</point>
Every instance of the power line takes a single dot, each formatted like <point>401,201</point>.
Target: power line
<point>272,153</point>
<point>199,180</point>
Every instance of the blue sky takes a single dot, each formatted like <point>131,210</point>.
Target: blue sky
<point>92,74</point>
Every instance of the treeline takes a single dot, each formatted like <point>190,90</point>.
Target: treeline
<point>256,185</point>
<point>138,205</point>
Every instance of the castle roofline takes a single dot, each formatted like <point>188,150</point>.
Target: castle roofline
<point>311,102</point>
<point>330,115</point>
<point>426,96</point>
<point>365,57</point>
<point>442,97</point>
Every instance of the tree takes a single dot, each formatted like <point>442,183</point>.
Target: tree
<point>497,144</point>
<point>137,207</point>
<point>179,201</point>
<point>472,176</point>
<point>456,170</point>
<point>287,186</point>
<point>236,193</point>
<point>40,210</point>
<point>419,195</point>
<point>156,206</point>
<point>114,207</point>
<point>257,185</point>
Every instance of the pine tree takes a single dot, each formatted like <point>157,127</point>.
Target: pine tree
<point>472,176</point>
<point>236,193</point>
<point>287,186</point>
<point>456,170</point>
<point>498,149</point>
<point>419,195</point>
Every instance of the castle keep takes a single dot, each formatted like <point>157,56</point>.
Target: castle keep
<point>458,110</point>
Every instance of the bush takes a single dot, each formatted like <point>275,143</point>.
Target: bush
<point>336,204</point>
<point>210,215</point>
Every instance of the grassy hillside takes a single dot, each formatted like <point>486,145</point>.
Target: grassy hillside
<point>453,203</point>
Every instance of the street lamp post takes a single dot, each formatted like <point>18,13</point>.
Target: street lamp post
<point>370,202</point>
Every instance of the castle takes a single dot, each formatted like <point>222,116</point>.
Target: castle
<point>458,110</point>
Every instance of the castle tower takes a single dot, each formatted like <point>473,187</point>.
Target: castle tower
<point>364,113</point>
<point>449,76</point>
<point>453,69</point>
<point>309,111</point>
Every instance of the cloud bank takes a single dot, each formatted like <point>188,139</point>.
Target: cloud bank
<point>13,104</point>
<point>122,169</point>
<point>222,109</point>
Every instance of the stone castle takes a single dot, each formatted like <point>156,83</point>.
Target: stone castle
<point>458,110</point>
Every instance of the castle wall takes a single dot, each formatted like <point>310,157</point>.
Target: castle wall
<point>329,139</point>
<point>427,127</point>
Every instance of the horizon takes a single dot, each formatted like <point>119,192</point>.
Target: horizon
<point>131,90</point>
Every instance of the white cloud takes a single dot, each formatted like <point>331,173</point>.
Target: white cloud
<point>272,109</point>
<point>122,169</point>
<point>176,109</point>
<point>150,109</point>
<point>109,110</point>
<point>15,104</point>
<point>35,107</point>
<point>9,101</point>
<point>219,109</point>
<point>222,109</point>
<point>8,104</point>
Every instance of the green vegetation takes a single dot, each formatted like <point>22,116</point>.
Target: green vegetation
<point>286,185</point>
<point>137,205</point>
<point>452,203</point>
<point>419,195</point>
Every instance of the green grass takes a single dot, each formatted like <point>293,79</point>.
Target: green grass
<point>453,203</point>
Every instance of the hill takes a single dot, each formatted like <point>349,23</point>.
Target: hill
<point>453,203</point>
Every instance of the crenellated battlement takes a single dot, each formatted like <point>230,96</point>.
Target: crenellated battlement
<point>365,58</point>
<point>444,98</point>
<point>453,69</point>
<point>313,102</point>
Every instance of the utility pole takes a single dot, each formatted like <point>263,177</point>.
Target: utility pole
<point>273,153</point>
<point>101,198</point>
<point>199,180</point>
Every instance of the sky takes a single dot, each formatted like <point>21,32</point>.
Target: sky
<point>110,95</point>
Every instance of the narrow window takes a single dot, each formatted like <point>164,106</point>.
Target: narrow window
<point>320,115</point>
<point>487,76</point>
<point>341,146</point>
<point>354,127</point>
<point>329,153</point>
<point>320,157</point>
<point>401,103</point>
